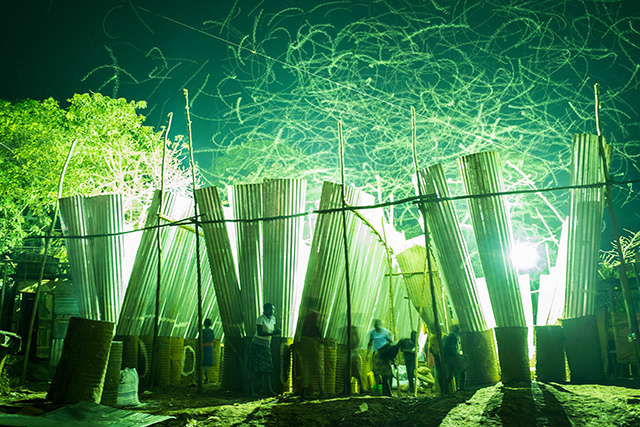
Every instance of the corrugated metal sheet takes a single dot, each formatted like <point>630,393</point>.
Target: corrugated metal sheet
<point>551,295</point>
<point>404,313</point>
<point>417,286</point>
<point>325,281</point>
<point>96,263</point>
<point>451,251</point>
<point>482,174</point>
<point>178,286</point>
<point>282,241</point>
<point>84,414</point>
<point>223,270</point>
<point>585,224</point>
<point>369,285</point>
<point>64,301</point>
<point>246,201</point>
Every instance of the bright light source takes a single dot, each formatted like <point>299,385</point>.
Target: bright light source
<point>524,256</point>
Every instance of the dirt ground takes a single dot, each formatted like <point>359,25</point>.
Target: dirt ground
<point>533,404</point>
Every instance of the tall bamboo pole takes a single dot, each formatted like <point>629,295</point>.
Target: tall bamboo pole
<point>392,317</point>
<point>5,267</point>
<point>156,318</point>
<point>626,291</point>
<point>444,388</point>
<point>47,244</point>
<point>197,226</point>
<point>389,252</point>
<point>346,251</point>
<point>417,347</point>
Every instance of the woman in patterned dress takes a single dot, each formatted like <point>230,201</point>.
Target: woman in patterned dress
<point>260,361</point>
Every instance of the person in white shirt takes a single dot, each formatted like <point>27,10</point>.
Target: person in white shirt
<point>260,362</point>
<point>378,338</point>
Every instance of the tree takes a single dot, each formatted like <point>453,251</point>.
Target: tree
<point>115,153</point>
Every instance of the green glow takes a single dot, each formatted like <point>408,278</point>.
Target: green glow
<point>510,76</point>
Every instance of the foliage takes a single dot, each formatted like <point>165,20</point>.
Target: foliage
<point>610,261</point>
<point>115,153</point>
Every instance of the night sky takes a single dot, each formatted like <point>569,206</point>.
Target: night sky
<point>268,81</point>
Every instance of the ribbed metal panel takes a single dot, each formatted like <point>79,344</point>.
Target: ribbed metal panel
<point>325,288</point>
<point>225,278</point>
<point>482,174</point>
<point>585,225</point>
<point>405,314</point>
<point>96,263</point>
<point>403,321</point>
<point>282,242</point>
<point>551,295</point>
<point>64,301</point>
<point>66,306</point>
<point>81,264</point>
<point>178,292</point>
<point>106,216</point>
<point>369,285</point>
<point>246,201</point>
<point>451,251</point>
<point>413,260</point>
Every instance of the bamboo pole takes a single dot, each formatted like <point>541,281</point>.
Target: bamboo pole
<point>626,291</point>
<point>4,289</point>
<point>437,331</point>
<point>636,260</point>
<point>417,347</point>
<point>389,252</point>
<point>47,244</point>
<point>392,322</point>
<point>346,250</point>
<point>197,226</point>
<point>156,317</point>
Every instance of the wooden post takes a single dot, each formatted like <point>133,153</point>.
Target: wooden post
<point>626,291</point>
<point>156,318</point>
<point>437,331</point>
<point>197,226</point>
<point>346,253</point>
<point>47,244</point>
<point>3,292</point>
<point>417,347</point>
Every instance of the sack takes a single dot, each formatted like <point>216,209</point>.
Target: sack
<point>128,388</point>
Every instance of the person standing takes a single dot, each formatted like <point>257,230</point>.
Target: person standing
<point>409,353</point>
<point>378,338</point>
<point>453,358</point>
<point>260,361</point>
<point>208,359</point>
<point>356,360</point>
<point>382,361</point>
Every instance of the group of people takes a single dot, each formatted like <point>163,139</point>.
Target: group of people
<point>260,363</point>
<point>384,354</point>
<point>380,346</point>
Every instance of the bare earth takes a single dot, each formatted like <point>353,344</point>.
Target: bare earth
<point>534,404</point>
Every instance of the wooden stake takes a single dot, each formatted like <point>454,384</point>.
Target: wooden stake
<point>346,252</point>
<point>626,291</point>
<point>47,244</point>
<point>437,331</point>
<point>389,252</point>
<point>156,318</point>
<point>3,292</point>
<point>198,269</point>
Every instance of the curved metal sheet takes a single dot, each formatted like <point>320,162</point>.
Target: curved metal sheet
<point>585,225</point>
<point>178,292</point>
<point>451,251</point>
<point>482,174</point>
<point>96,262</point>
